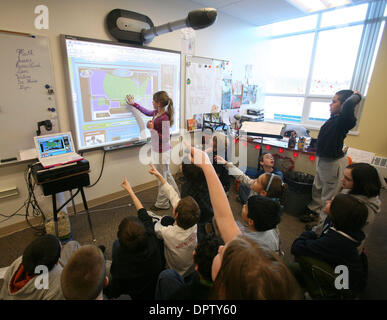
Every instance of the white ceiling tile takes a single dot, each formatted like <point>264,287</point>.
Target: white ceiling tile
<point>261,12</point>
<point>215,3</point>
<point>255,12</point>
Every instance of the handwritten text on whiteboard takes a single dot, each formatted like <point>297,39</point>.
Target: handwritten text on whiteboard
<point>24,65</point>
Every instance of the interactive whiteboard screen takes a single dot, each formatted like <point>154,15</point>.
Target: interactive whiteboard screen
<point>101,74</point>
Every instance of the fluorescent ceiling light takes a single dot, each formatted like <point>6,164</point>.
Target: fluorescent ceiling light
<point>310,6</point>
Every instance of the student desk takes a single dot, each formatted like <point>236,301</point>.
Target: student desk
<point>304,160</point>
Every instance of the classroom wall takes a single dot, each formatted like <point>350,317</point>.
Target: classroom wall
<point>228,39</point>
<point>372,127</point>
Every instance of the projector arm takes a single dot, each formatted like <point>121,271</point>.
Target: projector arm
<point>122,23</point>
<point>197,19</point>
<point>149,34</point>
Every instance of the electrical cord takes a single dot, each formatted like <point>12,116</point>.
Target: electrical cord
<point>37,210</point>
<point>12,214</point>
<point>100,174</point>
<point>23,205</point>
<point>99,210</point>
<point>119,207</point>
<point>33,203</point>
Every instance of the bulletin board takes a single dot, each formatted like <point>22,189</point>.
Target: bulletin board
<point>27,91</point>
<point>205,83</point>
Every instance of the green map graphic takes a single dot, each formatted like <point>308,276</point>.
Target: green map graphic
<point>116,88</point>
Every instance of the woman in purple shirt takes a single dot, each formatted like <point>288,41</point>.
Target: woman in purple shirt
<point>160,139</point>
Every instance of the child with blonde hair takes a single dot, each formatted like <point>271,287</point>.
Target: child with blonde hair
<point>267,184</point>
<point>163,118</point>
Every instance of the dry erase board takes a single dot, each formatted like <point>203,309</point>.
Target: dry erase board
<point>205,80</point>
<point>27,92</point>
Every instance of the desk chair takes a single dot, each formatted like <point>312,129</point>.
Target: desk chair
<point>318,279</point>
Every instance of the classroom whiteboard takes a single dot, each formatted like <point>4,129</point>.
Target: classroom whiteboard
<point>25,65</point>
<point>204,84</point>
<point>99,76</point>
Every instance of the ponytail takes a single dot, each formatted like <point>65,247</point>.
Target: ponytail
<point>284,188</point>
<point>275,188</point>
<point>170,111</point>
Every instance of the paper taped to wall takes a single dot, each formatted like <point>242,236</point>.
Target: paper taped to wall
<point>360,156</point>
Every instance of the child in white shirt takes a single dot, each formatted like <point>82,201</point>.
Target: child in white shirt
<point>180,233</point>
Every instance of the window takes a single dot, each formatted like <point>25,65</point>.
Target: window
<point>344,16</point>
<point>284,109</point>
<point>335,59</point>
<point>288,73</point>
<point>318,111</point>
<point>303,62</point>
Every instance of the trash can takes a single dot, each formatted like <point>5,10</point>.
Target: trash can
<point>299,192</point>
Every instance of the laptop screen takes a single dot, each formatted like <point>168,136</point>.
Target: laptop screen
<point>54,145</point>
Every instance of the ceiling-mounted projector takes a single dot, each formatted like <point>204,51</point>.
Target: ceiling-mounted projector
<point>135,28</point>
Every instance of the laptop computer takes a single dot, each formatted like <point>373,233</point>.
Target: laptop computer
<point>56,149</point>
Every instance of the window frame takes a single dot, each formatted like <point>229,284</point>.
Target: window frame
<point>373,26</point>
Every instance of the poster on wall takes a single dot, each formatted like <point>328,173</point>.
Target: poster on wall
<point>236,98</point>
<point>191,124</point>
<point>198,120</point>
<point>248,73</point>
<point>249,94</point>
<point>226,94</point>
<point>208,85</point>
<point>188,37</point>
<point>203,85</point>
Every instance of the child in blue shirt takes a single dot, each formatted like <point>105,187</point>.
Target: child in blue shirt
<point>341,237</point>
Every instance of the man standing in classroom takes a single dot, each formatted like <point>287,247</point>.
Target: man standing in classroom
<point>331,161</point>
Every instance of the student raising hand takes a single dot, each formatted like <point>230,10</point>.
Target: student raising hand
<point>220,160</point>
<point>222,210</point>
<point>198,157</point>
<point>126,185</point>
<point>153,171</point>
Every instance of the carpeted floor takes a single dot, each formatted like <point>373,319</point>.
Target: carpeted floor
<point>106,218</point>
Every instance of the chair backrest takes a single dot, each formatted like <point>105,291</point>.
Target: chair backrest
<point>319,279</point>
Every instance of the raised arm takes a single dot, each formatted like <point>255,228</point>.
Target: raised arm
<point>153,171</point>
<point>234,171</point>
<point>170,192</point>
<point>126,185</point>
<point>347,114</point>
<point>222,211</point>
